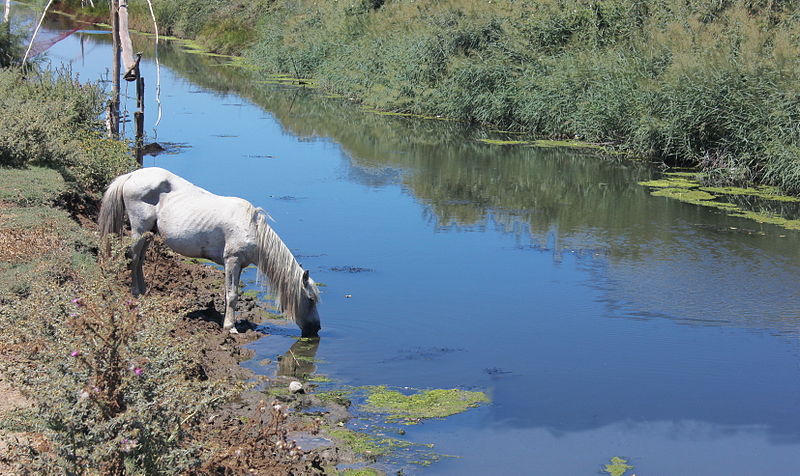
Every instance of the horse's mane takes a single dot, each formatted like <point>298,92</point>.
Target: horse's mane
<point>277,264</point>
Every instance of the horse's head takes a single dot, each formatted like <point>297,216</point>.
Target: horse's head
<point>306,315</point>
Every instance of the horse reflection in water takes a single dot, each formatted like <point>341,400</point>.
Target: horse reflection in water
<point>196,223</point>
<point>298,361</point>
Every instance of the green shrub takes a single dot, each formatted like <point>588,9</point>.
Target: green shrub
<point>226,36</point>
<point>52,120</point>
<point>10,47</point>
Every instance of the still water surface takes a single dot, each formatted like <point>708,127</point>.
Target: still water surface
<point>601,321</point>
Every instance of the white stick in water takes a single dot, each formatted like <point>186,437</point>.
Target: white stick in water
<point>39,25</point>
<point>158,67</point>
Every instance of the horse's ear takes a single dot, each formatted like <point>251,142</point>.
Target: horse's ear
<point>305,276</point>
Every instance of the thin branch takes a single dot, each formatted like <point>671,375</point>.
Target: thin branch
<point>39,25</point>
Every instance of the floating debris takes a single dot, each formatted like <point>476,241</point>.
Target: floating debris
<point>165,148</point>
<point>349,269</point>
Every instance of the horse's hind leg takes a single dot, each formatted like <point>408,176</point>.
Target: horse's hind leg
<point>138,250</point>
<point>143,220</point>
<point>233,269</point>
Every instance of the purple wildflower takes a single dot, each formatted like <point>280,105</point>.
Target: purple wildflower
<point>77,301</point>
<point>126,445</point>
<point>138,370</point>
<point>75,353</point>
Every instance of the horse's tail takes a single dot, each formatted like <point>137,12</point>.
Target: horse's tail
<point>112,208</point>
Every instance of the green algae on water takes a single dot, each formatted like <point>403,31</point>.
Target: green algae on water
<point>767,218</point>
<point>544,143</point>
<point>373,446</point>
<point>694,197</point>
<point>339,397</point>
<point>573,144</point>
<point>503,142</point>
<point>685,187</point>
<point>437,403</point>
<point>618,466</point>
<point>684,194</point>
<point>404,114</point>
<point>694,175</point>
<point>764,192</point>
<point>318,378</point>
<point>671,183</point>
<point>250,293</point>
<point>362,472</point>
<point>361,443</point>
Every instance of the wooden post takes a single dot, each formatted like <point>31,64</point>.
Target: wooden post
<point>114,108</point>
<point>139,114</point>
<point>123,51</point>
<point>139,117</point>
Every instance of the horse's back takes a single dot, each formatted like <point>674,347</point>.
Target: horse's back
<point>204,225</point>
<point>192,221</point>
<point>149,183</point>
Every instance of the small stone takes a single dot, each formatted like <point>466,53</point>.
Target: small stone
<point>296,387</point>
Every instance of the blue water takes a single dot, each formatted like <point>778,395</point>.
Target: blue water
<point>601,321</point>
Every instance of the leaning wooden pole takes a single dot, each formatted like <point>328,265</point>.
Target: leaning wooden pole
<point>114,103</point>
<point>131,64</point>
<point>129,60</point>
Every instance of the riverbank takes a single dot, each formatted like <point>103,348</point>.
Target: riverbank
<point>698,84</point>
<point>84,364</point>
<point>92,377</point>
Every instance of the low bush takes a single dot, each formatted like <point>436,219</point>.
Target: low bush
<point>50,119</point>
<point>10,49</point>
<point>116,392</point>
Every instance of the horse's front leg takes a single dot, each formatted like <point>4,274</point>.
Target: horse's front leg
<point>233,269</point>
<point>138,251</point>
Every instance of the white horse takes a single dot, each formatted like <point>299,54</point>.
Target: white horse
<point>196,223</point>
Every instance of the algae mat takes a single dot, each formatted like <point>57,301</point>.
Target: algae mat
<point>686,187</point>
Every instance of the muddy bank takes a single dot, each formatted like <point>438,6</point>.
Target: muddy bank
<point>222,354</point>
